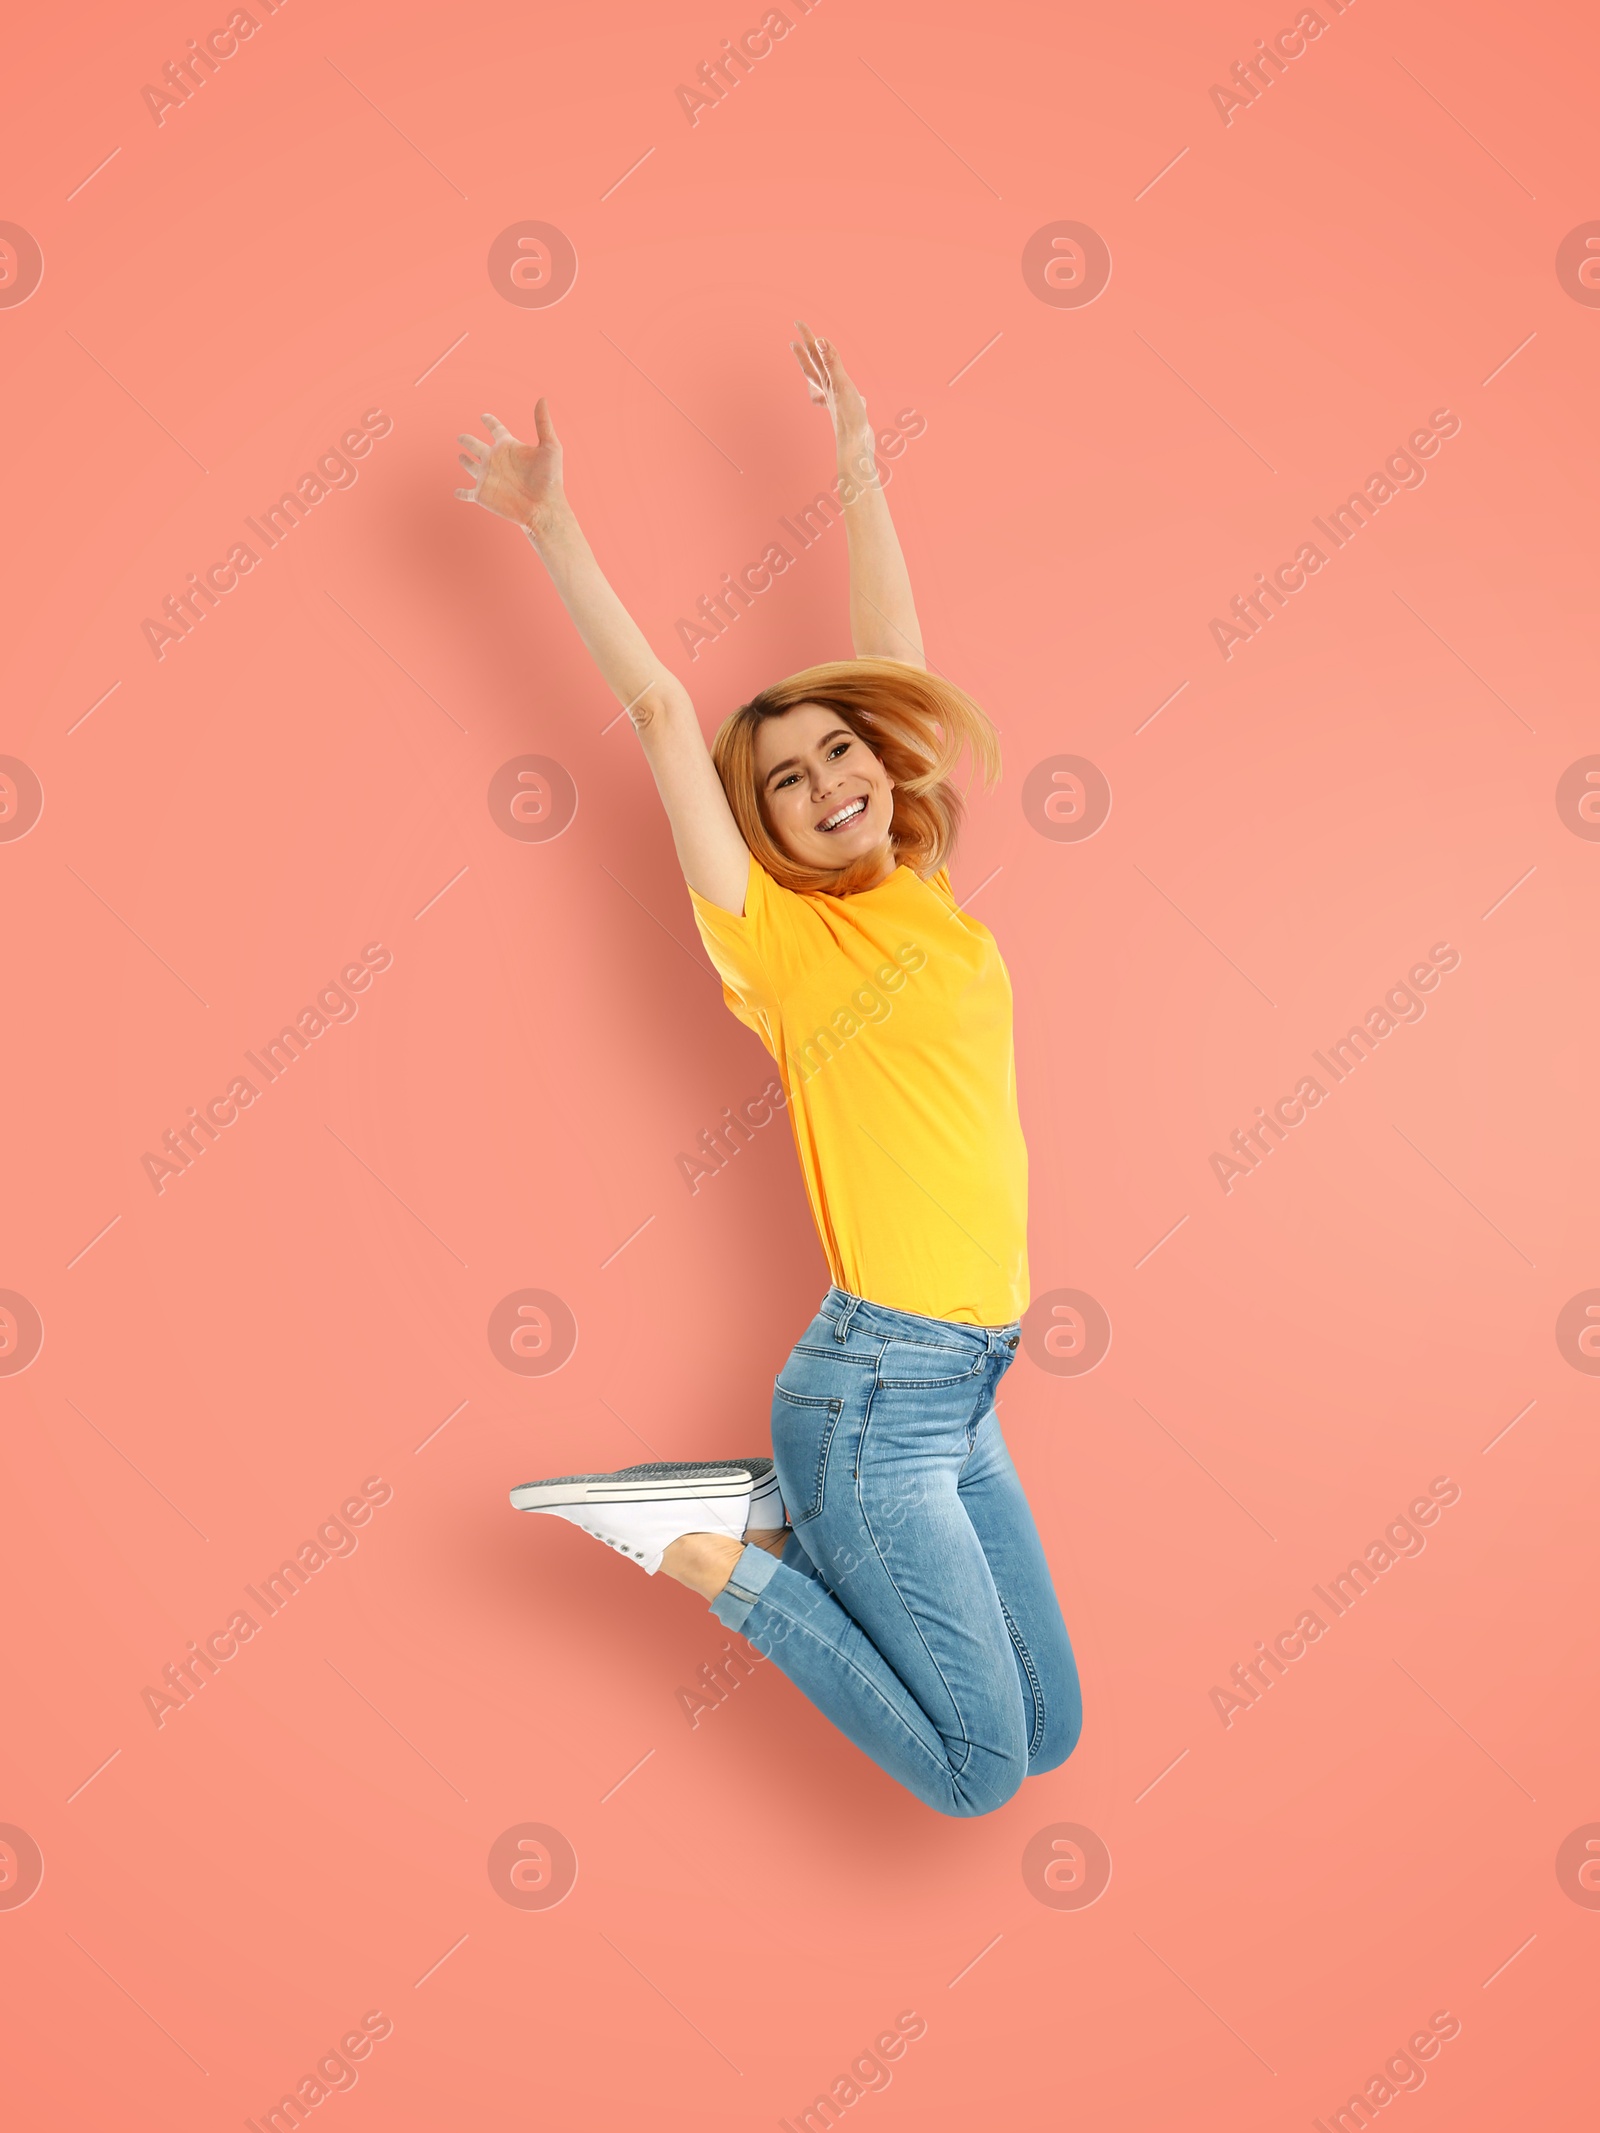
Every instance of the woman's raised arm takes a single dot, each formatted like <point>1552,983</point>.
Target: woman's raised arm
<point>883,615</point>
<point>522,482</point>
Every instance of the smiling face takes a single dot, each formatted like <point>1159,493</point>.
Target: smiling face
<point>828,800</point>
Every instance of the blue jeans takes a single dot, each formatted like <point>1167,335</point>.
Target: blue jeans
<point>913,1603</point>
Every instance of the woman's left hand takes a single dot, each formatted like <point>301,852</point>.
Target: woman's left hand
<point>830,386</point>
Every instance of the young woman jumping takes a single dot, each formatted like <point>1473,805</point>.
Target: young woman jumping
<point>907,1595</point>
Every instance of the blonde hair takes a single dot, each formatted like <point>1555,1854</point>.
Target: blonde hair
<point>916,724</point>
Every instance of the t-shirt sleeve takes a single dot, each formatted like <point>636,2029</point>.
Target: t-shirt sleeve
<point>745,952</point>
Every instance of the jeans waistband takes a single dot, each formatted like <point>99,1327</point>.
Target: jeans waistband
<point>846,1311</point>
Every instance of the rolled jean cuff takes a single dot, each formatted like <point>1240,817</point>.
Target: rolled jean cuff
<point>752,1574</point>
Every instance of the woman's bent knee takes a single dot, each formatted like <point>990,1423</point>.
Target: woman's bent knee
<point>971,1795</point>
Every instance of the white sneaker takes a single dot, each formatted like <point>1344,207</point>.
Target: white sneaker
<point>767,1514</point>
<point>641,1510</point>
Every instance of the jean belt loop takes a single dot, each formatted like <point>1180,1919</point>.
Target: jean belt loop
<point>841,1325</point>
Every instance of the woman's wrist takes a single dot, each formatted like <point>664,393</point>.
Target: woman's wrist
<point>547,520</point>
<point>857,451</point>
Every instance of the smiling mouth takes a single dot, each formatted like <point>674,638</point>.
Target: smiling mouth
<point>842,816</point>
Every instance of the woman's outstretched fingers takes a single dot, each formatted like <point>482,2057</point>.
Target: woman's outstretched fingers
<point>514,480</point>
<point>816,348</point>
<point>811,369</point>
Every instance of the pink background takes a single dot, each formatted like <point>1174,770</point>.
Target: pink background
<point>1293,1895</point>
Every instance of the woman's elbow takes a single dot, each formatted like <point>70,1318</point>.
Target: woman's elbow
<point>657,708</point>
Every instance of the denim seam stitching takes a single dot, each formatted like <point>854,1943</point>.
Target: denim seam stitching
<point>1029,1669</point>
<point>927,1384</point>
<point>906,1610</point>
<point>972,1442</point>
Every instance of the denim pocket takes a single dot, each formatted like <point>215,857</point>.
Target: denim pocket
<point>802,1431</point>
<point>928,1363</point>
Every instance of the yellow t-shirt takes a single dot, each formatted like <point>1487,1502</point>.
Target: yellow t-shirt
<point>889,1015</point>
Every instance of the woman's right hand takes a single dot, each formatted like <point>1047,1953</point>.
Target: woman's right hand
<point>830,385</point>
<point>521,482</point>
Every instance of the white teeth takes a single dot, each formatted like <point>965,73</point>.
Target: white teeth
<point>844,814</point>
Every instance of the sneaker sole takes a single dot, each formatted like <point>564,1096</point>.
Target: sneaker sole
<point>715,1484</point>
